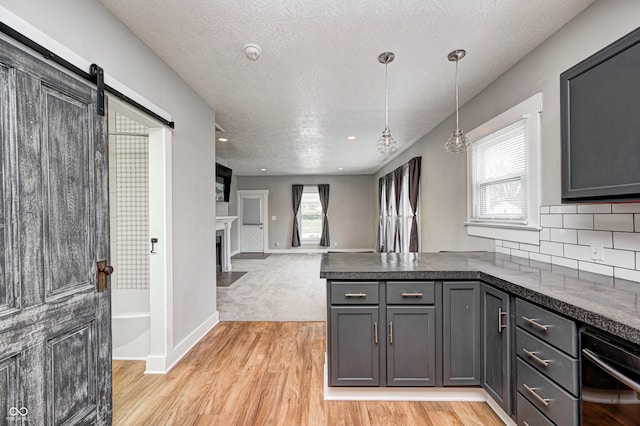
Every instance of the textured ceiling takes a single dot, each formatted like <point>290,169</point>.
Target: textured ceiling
<point>319,80</point>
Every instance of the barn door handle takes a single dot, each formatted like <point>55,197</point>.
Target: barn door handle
<point>103,271</point>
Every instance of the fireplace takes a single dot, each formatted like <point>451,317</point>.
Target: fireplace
<point>218,252</point>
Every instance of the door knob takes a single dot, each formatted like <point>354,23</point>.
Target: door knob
<point>103,271</point>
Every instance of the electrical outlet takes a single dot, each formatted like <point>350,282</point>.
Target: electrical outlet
<point>277,244</point>
<point>335,244</point>
<point>597,251</point>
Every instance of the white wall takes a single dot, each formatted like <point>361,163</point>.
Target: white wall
<point>88,29</point>
<point>443,195</point>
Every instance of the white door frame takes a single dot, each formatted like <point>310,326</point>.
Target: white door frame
<point>265,214</point>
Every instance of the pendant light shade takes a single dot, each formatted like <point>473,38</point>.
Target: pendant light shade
<point>387,143</point>
<point>458,142</point>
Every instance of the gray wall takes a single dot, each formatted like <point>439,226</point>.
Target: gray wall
<point>352,215</point>
<point>443,202</point>
<point>91,31</point>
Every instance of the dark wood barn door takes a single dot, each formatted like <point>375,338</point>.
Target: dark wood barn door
<point>55,326</point>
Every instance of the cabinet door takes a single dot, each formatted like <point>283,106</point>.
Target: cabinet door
<point>496,344</point>
<point>411,346</point>
<point>461,335</point>
<point>354,346</point>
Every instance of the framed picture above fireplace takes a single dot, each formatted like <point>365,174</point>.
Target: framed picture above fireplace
<point>223,183</point>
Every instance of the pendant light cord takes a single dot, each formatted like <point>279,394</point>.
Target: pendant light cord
<point>386,98</point>
<point>457,124</point>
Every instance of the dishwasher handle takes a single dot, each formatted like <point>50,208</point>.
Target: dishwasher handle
<point>612,371</point>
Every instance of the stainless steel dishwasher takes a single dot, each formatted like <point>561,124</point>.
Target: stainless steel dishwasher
<point>610,380</point>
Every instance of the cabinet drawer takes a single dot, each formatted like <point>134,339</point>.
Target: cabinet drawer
<point>555,364</point>
<point>354,293</point>
<point>554,402</point>
<point>411,292</point>
<point>528,415</point>
<point>552,328</point>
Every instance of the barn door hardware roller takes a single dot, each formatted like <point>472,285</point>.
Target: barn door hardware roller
<point>97,73</point>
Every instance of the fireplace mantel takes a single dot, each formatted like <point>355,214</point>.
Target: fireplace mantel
<point>224,223</point>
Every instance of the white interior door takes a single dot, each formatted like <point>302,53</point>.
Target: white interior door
<point>252,223</point>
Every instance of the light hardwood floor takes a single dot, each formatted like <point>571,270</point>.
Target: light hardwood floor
<point>263,373</point>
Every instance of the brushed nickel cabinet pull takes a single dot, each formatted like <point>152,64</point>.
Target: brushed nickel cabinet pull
<point>501,326</point>
<point>406,294</point>
<point>532,391</point>
<point>355,295</point>
<point>534,356</point>
<point>391,333</point>
<point>533,322</point>
<point>524,422</point>
<point>375,332</point>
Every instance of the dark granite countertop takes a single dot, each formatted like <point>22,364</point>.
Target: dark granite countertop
<point>607,303</point>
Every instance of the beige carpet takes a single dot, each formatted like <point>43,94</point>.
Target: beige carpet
<point>283,287</point>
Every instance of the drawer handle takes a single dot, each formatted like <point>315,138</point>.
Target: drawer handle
<point>355,295</point>
<point>534,356</point>
<point>524,422</point>
<point>532,391</point>
<point>375,331</point>
<point>536,323</point>
<point>405,294</point>
<point>391,333</point>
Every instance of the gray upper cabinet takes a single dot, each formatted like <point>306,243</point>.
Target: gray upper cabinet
<point>354,343</point>
<point>411,346</point>
<point>496,344</point>
<point>461,333</point>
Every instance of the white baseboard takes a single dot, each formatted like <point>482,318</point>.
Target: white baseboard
<point>129,358</point>
<point>233,253</point>
<point>317,250</point>
<point>158,364</point>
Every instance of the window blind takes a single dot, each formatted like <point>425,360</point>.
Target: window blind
<point>499,175</point>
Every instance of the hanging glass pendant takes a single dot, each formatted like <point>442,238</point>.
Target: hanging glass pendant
<point>387,143</point>
<point>458,142</point>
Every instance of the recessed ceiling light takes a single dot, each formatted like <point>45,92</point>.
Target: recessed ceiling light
<point>340,168</point>
<point>263,169</point>
<point>223,139</point>
<point>352,138</point>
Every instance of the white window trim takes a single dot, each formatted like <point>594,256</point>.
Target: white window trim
<point>307,241</point>
<point>521,232</point>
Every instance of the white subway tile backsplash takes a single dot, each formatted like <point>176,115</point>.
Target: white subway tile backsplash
<point>578,221</point>
<point>564,235</point>
<point>530,247</point>
<point>636,221</point>
<point>563,209</point>
<point>594,208</point>
<point>551,220</point>
<point>626,274</point>
<point>573,251</point>
<point>554,249</point>
<point>595,237</point>
<point>498,243</point>
<point>544,209</point>
<point>545,234</point>
<point>567,263</point>
<point>626,241</point>
<point>638,261</point>
<point>520,253</point>
<point>540,257</point>
<point>595,268</point>
<point>511,244</point>
<point>626,208</point>
<point>613,222</point>
<point>503,250</point>
<point>620,258</point>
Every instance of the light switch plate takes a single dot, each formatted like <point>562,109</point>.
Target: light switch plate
<point>273,218</point>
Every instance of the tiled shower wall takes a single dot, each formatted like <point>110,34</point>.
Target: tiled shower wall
<point>569,230</point>
<point>131,170</point>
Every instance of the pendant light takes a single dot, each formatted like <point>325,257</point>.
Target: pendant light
<point>458,142</point>
<point>387,143</point>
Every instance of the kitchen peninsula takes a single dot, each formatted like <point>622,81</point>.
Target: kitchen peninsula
<point>509,325</point>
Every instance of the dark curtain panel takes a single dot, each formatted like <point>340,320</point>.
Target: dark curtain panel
<point>397,240</point>
<point>388,223</point>
<point>414,191</point>
<point>323,192</point>
<point>296,192</point>
<point>381,216</point>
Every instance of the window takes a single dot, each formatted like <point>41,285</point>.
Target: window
<point>503,171</point>
<point>310,216</point>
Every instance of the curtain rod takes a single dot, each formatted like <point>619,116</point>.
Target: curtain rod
<point>94,77</point>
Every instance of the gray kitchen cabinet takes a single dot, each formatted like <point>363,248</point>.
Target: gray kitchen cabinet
<point>461,333</point>
<point>496,345</point>
<point>411,346</point>
<point>355,346</point>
